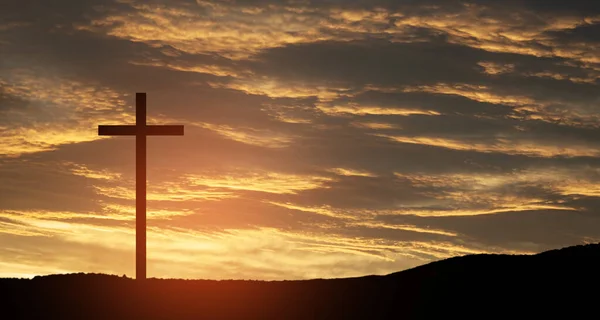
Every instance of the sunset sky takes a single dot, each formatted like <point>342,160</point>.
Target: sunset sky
<point>322,138</point>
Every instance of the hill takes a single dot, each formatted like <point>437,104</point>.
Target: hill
<point>555,283</point>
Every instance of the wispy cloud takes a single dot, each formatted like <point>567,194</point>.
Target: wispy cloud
<point>270,182</point>
<point>57,111</point>
<point>257,137</point>
<point>502,145</point>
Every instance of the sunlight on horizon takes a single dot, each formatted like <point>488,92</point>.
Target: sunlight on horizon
<point>322,139</point>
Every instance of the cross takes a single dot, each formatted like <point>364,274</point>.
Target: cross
<point>140,130</point>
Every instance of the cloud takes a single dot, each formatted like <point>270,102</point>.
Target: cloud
<point>366,110</point>
<point>351,172</point>
<point>51,98</point>
<point>250,136</point>
<point>270,182</point>
<point>185,27</point>
<point>503,146</point>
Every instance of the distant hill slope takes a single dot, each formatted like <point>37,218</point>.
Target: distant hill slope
<point>557,283</point>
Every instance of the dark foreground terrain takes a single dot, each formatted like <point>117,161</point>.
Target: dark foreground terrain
<point>560,284</point>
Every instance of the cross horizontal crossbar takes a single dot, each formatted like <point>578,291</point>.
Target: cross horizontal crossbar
<point>132,130</point>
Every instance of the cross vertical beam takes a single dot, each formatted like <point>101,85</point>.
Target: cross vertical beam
<point>140,186</point>
<point>140,130</point>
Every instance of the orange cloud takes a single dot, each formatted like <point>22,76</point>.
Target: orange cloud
<point>249,30</point>
<point>69,100</point>
<point>262,181</point>
<point>165,192</point>
<point>489,193</point>
<point>322,210</point>
<point>245,32</point>
<point>374,110</point>
<point>375,125</point>
<point>69,112</point>
<point>82,170</point>
<point>122,212</point>
<point>405,228</point>
<point>257,137</point>
<point>501,145</point>
<point>351,172</point>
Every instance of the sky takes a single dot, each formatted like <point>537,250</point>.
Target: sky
<point>323,139</point>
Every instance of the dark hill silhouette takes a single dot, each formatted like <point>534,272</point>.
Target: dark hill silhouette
<point>558,283</point>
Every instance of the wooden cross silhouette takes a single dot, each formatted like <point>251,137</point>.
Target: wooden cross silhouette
<point>140,130</point>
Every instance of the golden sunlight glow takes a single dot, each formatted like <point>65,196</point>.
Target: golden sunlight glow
<point>60,103</point>
<point>28,269</point>
<point>207,68</point>
<point>477,93</point>
<point>196,254</point>
<point>505,208</point>
<point>122,212</point>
